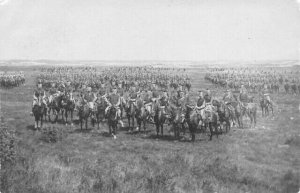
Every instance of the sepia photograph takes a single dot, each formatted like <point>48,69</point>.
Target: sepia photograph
<point>149,96</point>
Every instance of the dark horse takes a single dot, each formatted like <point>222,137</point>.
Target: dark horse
<point>225,115</point>
<point>54,109</point>
<point>100,112</point>
<point>83,114</point>
<point>130,112</point>
<point>68,106</point>
<point>250,110</point>
<point>141,117</point>
<point>38,111</point>
<point>112,119</point>
<point>211,122</point>
<point>265,107</point>
<point>194,121</point>
<point>177,120</point>
<point>159,119</point>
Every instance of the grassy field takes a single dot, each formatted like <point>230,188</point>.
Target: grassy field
<point>262,159</point>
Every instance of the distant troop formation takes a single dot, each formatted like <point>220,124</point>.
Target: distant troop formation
<point>255,79</point>
<point>146,94</point>
<point>10,79</point>
<point>140,77</point>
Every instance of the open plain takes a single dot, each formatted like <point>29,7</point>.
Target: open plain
<point>261,159</point>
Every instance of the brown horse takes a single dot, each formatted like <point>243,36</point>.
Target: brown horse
<point>249,109</point>
<point>112,119</point>
<point>141,117</point>
<point>159,119</point>
<point>68,106</point>
<point>100,112</point>
<point>130,113</point>
<point>226,115</point>
<point>177,121</point>
<point>265,106</point>
<point>53,109</point>
<point>83,114</point>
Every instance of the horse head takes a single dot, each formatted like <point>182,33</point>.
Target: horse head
<point>112,114</point>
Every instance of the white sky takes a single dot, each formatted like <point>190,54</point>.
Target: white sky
<point>150,29</point>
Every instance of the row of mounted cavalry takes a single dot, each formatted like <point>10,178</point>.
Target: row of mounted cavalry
<point>180,113</point>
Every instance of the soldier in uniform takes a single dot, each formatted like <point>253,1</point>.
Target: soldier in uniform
<point>89,98</point>
<point>208,104</point>
<point>164,101</point>
<point>121,93</point>
<point>69,90</point>
<point>133,95</point>
<point>53,92</point>
<point>243,98</point>
<point>102,90</point>
<point>200,105</point>
<point>228,97</point>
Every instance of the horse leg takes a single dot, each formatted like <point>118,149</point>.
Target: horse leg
<point>144,122</point>
<point>81,123</point>
<point>66,115</point>
<point>41,122</point>
<point>211,131</point>
<point>132,122</point>
<point>162,129</point>
<point>192,131</point>
<point>128,117</point>
<point>98,120</point>
<point>35,123</point>
<point>157,129</point>
<point>72,117</point>
<point>86,124</point>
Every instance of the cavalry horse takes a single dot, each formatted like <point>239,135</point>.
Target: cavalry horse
<point>225,115</point>
<point>177,120</point>
<point>112,119</point>
<point>84,113</point>
<point>194,121</point>
<point>265,106</point>
<point>159,119</point>
<point>68,106</point>
<point>249,109</point>
<point>53,109</point>
<point>100,112</point>
<point>130,112</point>
<point>38,111</point>
<point>141,115</point>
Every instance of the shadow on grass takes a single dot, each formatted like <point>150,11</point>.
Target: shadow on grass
<point>135,132</point>
<point>164,137</point>
<point>83,130</point>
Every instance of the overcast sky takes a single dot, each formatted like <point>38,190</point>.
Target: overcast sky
<point>150,29</point>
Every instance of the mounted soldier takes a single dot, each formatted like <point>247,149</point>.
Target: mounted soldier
<point>114,101</point>
<point>69,90</point>
<point>39,96</point>
<point>243,98</point>
<point>133,95</point>
<point>53,92</point>
<point>89,98</point>
<point>200,105</point>
<point>208,104</point>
